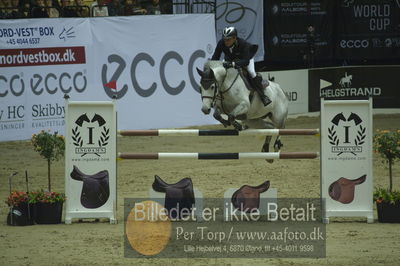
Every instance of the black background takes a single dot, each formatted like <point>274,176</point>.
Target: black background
<point>336,22</point>
<point>387,78</point>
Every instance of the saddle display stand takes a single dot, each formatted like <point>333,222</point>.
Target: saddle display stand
<point>168,195</point>
<point>262,198</point>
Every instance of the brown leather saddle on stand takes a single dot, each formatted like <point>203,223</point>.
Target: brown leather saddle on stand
<point>247,198</point>
<point>178,196</point>
<point>95,188</point>
<point>343,189</point>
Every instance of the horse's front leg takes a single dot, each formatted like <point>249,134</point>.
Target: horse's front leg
<point>218,117</point>
<point>240,111</point>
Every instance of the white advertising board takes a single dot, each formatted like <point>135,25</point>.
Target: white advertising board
<point>295,84</point>
<point>246,16</point>
<point>346,158</point>
<point>149,62</point>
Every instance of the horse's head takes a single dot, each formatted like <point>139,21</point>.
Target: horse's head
<point>208,89</point>
<point>212,77</point>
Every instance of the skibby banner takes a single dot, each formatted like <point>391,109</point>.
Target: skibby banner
<point>40,61</point>
<point>149,66</point>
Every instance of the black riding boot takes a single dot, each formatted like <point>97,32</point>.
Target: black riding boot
<point>257,84</point>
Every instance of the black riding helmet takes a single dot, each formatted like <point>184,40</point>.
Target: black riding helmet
<point>229,32</point>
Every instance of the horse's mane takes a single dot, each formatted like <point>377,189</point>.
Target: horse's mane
<point>212,64</point>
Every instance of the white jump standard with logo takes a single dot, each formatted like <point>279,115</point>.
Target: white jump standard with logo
<point>346,158</point>
<point>90,160</point>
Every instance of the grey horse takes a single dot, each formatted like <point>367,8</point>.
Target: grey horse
<point>225,91</point>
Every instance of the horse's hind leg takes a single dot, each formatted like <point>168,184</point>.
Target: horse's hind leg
<point>278,144</point>
<point>262,124</point>
<point>279,121</point>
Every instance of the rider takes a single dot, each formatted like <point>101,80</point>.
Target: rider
<point>239,53</point>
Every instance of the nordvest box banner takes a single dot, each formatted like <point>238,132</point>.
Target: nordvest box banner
<point>40,60</point>
<point>147,62</point>
<point>346,167</point>
<point>90,156</point>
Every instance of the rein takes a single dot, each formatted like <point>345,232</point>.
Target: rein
<point>218,94</point>
<point>237,75</point>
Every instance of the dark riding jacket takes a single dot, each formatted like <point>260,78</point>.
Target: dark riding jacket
<point>241,53</point>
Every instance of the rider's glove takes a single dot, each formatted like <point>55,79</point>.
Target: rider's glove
<point>228,64</point>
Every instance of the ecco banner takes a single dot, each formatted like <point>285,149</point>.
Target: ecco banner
<point>368,29</point>
<point>147,62</point>
<point>379,82</point>
<point>40,60</point>
<point>287,33</point>
<point>90,156</point>
<point>346,158</point>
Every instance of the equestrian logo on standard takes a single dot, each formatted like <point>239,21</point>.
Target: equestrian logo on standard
<point>90,136</point>
<point>347,135</point>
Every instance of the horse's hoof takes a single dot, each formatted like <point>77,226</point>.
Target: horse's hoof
<point>237,126</point>
<point>270,160</point>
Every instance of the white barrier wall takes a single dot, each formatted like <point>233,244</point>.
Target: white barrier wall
<point>295,84</point>
<point>149,60</point>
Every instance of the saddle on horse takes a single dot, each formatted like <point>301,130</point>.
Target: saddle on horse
<point>257,84</point>
<point>95,189</point>
<point>247,198</point>
<point>342,190</point>
<point>178,196</point>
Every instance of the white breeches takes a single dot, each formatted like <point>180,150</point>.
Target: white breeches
<point>251,69</point>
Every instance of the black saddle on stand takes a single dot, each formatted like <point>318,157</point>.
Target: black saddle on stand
<point>95,189</point>
<point>178,196</point>
<point>247,198</point>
